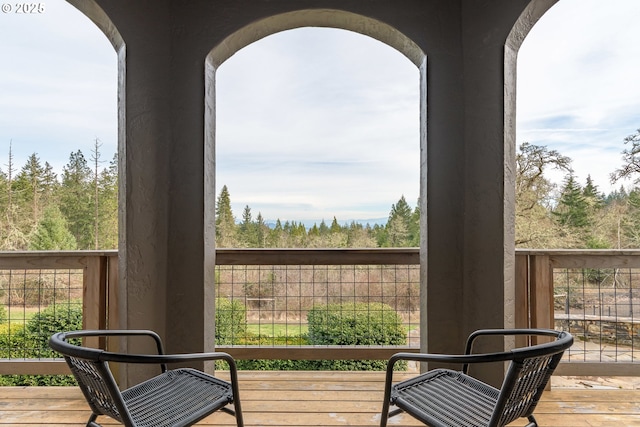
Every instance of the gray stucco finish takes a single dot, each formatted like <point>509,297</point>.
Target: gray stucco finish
<point>169,50</point>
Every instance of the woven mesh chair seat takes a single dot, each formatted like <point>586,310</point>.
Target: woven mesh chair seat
<point>175,398</point>
<point>448,398</point>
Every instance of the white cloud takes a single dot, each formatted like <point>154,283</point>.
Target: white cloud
<point>578,90</point>
<point>57,84</point>
<point>337,128</point>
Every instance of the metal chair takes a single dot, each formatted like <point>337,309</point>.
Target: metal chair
<point>448,398</point>
<point>174,398</point>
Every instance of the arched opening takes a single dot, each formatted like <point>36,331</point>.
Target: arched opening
<point>275,24</point>
<point>58,130</point>
<point>321,137</point>
<point>314,124</point>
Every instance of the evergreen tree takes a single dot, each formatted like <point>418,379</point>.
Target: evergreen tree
<point>399,224</point>
<point>335,227</point>
<point>262,231</point>
<point>108,212</point>
<point>594,198</point>
<point>76,199</point>
<point>30,187</point>
<point>248,230</point>
<point>276,235</point>
<point>52,233</point>
<point>573,208</point>
<point>414,227</point>
<point>225,222</point>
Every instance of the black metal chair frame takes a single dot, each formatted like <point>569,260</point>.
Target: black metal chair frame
<point>175,398</point>
<point>448,398</point>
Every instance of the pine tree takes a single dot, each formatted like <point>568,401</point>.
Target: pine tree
<point>76,199</point>
<point>399,224</point>
<point>262,231</point>
<point>594,198</point>
<point>30,186</point>
<point>225,222</point>
<point>573,208</point>
<point>108,212</point>
<point>248,230</point>
<point>52,233</point>
<point>95,158</point>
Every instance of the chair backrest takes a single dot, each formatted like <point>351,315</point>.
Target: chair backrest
<point>94,378</point>
<point>526,378</point>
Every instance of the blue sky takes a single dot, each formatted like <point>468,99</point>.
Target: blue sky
<point>305,129</point>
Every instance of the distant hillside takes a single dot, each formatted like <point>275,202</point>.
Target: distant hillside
<point>308,223</point>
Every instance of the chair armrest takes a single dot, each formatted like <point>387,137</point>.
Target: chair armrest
<point>508,332</point>
<point>64,336</point>
<point>461,359</point>
<point>59,342</point>
<point>108,356</point>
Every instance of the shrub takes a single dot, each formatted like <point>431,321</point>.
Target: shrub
<point>3,314</point>
<point>31,341</point>
<point>231,320</point>
<point>54,318</point>
<point>355,324</point>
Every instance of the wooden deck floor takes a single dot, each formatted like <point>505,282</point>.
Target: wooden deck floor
<point>319,399</point>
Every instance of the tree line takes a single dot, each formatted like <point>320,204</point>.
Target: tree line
<point>40,210</point>
<point>574,215</point>
<point>77,210</point>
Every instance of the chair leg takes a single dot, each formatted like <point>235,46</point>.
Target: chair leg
<point>91,422</point>
<point>532,422</point>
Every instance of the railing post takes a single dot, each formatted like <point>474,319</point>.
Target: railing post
<point>541,291</point>
<point>94,299</point>
<point>113,313</point>
<point>522,306</point>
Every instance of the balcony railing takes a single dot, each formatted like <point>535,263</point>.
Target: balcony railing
<point>593,294</point>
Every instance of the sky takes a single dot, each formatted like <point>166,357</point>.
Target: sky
<point>305,130</point>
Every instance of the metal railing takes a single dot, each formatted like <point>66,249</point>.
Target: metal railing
<point>32,281</point>
<point>593,294</point>
<point>278,287</point>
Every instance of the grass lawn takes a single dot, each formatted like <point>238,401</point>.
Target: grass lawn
<point>19,314</point>
<point>288,330</point>
<point>277,329</point>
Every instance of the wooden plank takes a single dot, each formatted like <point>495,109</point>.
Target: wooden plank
<point>594,260</point>
<point>386,256</point>
<point>602,369</point>
<point>33,367</point>
<point>319,398</point>
<point>521,297</point>
<point>541,292</point>
<point>314,352</point>
<point>94,304</point>
<point>113,320</point>
<point>36,262</point>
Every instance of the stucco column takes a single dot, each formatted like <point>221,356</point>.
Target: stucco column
<point>471,178</point>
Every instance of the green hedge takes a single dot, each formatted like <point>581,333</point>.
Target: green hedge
<point>355,324</point>
<point>340,324</point>
<point>231,320</point>
<point>31,341</point>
